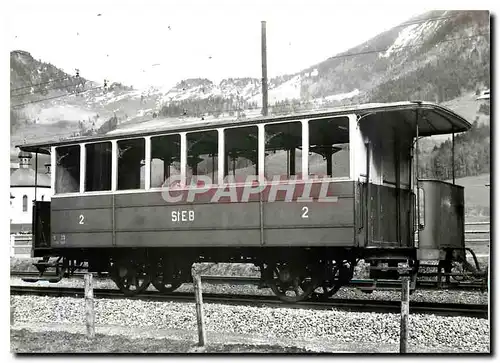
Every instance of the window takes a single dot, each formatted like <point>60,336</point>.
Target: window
<point>329,147</point>
<point>202,154</point>
<point>241,147</point>
<point>98,166</point>
<point>131,159</point>
<point>68,169</point>
<point>283,154</point>
<point>25,203</point>
<point>165,158</point>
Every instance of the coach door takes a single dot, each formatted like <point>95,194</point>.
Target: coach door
<point>41,225</point>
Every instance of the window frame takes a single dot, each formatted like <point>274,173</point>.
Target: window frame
<point>149,159</point>
<point>53,167</point>
<point>83,169</point>
<point>222,140</point>
<point>116,161</point>
<point>302,144</point>
<point>353,169</point>
<point>352,128</point>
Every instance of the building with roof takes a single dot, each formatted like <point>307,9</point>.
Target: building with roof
<point>23,190</point>
<point>485,95</point>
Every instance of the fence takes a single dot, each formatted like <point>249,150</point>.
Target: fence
<point>20,245</point>
<point>483,230</point>
<point>478,238</point>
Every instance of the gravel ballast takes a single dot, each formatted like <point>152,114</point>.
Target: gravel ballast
<point>463,334</point>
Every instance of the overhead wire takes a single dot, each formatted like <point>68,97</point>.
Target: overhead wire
<point>55,97</point>
<point>334,57</point>
<point>159,64</point>
<point>50,89</point>
<point>301,104</point>
<point>403,47</point>
<point>40,84</point>
<point>415,22</point>
<point>438,18</point>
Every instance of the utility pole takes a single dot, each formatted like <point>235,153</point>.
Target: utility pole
<point>264,70</point>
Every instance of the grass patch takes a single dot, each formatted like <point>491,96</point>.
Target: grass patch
<point>25,341</point>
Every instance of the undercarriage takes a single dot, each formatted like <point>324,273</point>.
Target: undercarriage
<point>298,275</point>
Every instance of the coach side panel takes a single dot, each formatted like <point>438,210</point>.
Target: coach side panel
<point>322,215</point>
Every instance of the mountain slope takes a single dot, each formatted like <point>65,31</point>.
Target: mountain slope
<point>29,77</point>
<point>390,66</point>
<point>438,56</point>
<point>452,59</point>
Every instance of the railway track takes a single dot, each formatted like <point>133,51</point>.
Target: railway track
<point>363,284</point>
<point>384,306</point>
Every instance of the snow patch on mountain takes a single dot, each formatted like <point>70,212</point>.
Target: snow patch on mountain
<point>288,90</point>
<point>342,96</point>
<point>63,112</point>
<point>226,89</point>
<point>240,88</point>
<point>411,35</point>
<point>313,73</point>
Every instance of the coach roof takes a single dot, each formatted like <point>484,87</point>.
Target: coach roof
<point>434,120</point>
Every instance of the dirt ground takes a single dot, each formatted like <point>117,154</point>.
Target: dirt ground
<point>25,341</point>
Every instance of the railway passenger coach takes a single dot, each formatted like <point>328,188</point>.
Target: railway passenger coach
<point>303,196</point>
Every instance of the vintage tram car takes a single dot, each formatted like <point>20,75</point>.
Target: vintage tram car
<point>303,196</point>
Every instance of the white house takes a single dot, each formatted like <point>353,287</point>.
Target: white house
<point>485,95</point>
<point>22,193</point>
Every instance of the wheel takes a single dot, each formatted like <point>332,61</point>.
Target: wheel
<point>166,285</point>
<point>336,274</point>
<point>168,276</point>
<point>290,284</point>
<point>130,278</point>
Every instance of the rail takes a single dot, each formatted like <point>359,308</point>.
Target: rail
<point>385,306</point>
<point>363,284</point>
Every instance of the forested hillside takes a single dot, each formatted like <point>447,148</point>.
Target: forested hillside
<point>472,155</point>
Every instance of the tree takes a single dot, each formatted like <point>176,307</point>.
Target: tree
<point>472,155</point>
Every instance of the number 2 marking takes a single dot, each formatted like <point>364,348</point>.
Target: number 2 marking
<point>305,210</point>
<point>81,218</point>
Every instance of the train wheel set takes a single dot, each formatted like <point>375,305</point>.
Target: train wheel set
<point>291,280</point>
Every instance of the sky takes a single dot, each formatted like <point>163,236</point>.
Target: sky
<point>144,43</point>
